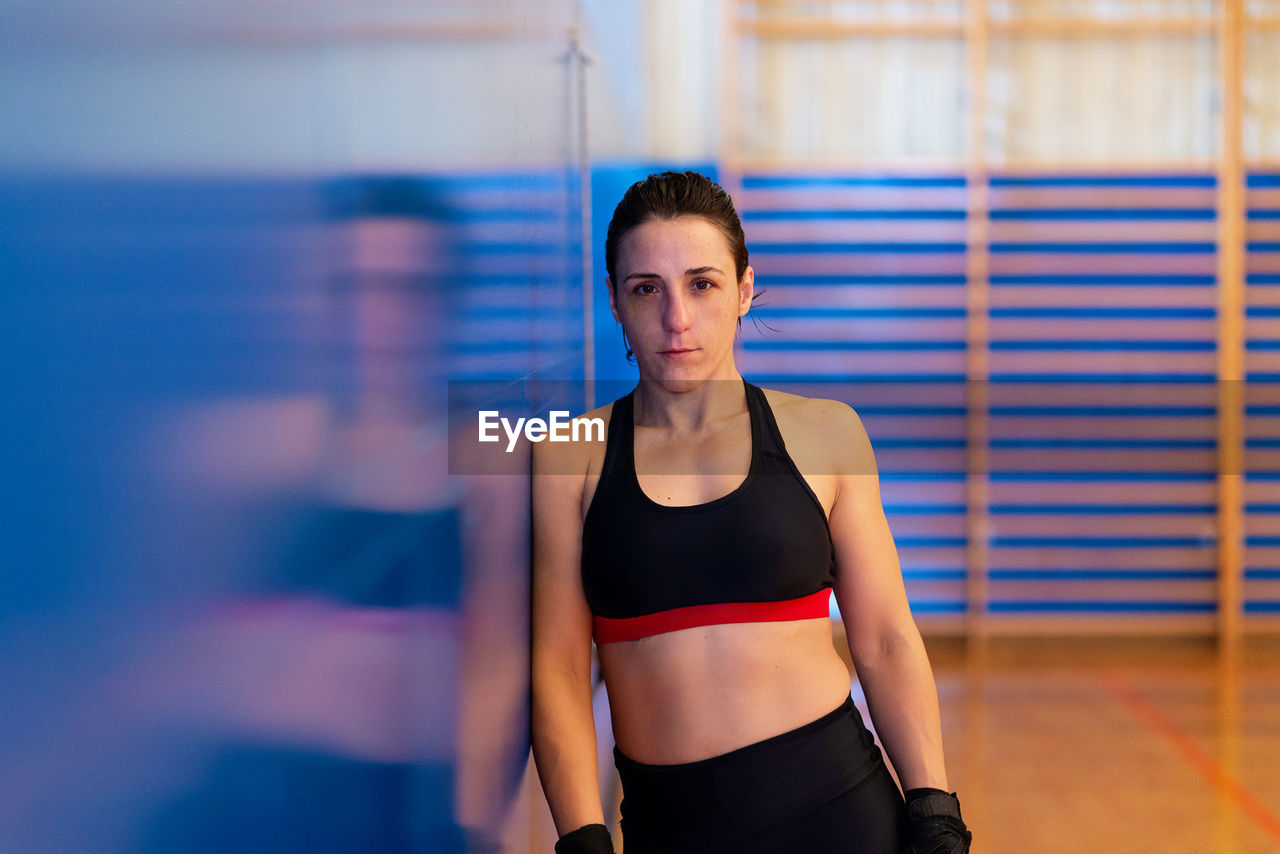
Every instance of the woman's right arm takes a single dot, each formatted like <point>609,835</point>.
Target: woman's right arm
<point>562,724</point>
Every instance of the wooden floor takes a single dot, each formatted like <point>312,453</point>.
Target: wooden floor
<point>1087,745</point>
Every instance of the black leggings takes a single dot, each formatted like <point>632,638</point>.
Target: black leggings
<point>822,787</point>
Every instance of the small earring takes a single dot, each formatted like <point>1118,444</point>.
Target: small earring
<point>625,343</point>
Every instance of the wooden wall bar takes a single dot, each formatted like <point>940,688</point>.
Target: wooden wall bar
<point>1070,368</point>
<point>1261,583</point>
<point>1230,343</point>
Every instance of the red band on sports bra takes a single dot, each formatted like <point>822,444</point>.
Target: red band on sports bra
<point>608,630</point>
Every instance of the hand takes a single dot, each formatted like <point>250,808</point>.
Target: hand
<point>588,839</point>
<point>934,825</point>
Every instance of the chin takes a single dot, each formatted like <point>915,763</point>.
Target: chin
<point>679,385</point>
<point>678,381</point>
<point>678,376</point>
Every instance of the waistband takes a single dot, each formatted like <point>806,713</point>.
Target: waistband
<point>753,788</point>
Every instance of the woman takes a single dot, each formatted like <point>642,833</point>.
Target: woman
<point>707,593</point>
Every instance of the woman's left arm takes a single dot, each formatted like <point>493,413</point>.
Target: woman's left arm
<point>885,644</point>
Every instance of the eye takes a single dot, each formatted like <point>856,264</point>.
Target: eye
<point>645,288</point>
<point>703,285</point>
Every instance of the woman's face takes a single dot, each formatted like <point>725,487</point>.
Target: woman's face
<point>679,300</point>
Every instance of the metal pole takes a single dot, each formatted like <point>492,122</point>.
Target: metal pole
<point>578,60</point>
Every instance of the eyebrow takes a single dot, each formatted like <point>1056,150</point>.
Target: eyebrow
<point>692,271</point>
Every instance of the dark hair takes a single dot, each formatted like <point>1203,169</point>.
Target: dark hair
<point>675,194</point>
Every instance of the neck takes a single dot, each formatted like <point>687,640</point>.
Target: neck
<point>688,411</point>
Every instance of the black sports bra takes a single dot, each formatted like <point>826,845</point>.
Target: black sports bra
<point>761,553</point>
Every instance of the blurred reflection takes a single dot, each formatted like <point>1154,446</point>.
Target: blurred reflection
<point>254,613</point>
<point>242,604</point>
<point>335,696</point>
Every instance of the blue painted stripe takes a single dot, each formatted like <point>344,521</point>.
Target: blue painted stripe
<point>1262,311</point>
<point>1101,312</point>
<point>1100,345</point>
<point>1107,411</point>
<point>930,476</point>
<point>1262,410</point>
<point>1103,509</point>
<point>1060,574</point>
<point>1262,540</point>
<point>515,280</point>
<point>1101,542</point>
<point>953,444</point>
<point>1103,378</point>
<point>1086,214</point>
<point>1024,476</point>
<point>929,411</point>
<point>1262,507</point>
<point>1264,214</point>
<point>887,248</point>
<point>1256,344</point>
<point>496,346</point>
<point>910,346</point>
<point>1262,279</point>
<point>1261,476</point>
<point>881,379</point>
<point>476,216</point>
<point>1129,248</point>
<point>503,247</point>
<point>1103,444</point>
<point>498,312</point>
<point>495,376</point>
<point>1262,442</point>
<point>909,541</point>
<point>1262,574</point>
<point>1262,376</point>
<point>1263,245</point>
<point>934,606</point>
<point>552,181</point>
<point>923,311</point>
<point>761,182</point>
<point>1262,180</point>
<point>1109,606</point>
<point>1088,279</point>
<point>1264,606</point>
<point>934,574</point>
<point>900,509</point>
<point>839,280</point>
<point>1207,181</point>
<point>858,214</point>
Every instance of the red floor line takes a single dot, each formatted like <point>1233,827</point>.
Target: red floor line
<point>1205,764</point>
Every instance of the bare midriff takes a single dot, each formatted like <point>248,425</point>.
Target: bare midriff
<point>695,693</point>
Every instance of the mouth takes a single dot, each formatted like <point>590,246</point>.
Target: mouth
<point>678,352</point>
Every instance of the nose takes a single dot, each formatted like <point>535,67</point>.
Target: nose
<point>676,315</point>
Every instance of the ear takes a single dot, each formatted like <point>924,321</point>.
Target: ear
<point>613,299</point>
<point>746,289</point>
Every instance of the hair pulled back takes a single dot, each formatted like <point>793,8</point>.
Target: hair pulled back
<point>669,195</point>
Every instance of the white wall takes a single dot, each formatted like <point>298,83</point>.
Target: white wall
<point>250,86</point>
<point>323,86</point>
<point>655,82</point>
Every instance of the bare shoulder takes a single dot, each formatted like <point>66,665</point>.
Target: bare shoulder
<point>827,433</point>
<point>582,456</point>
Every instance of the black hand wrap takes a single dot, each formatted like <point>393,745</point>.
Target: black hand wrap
<point>588,839</point>
<point>934,825</point>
